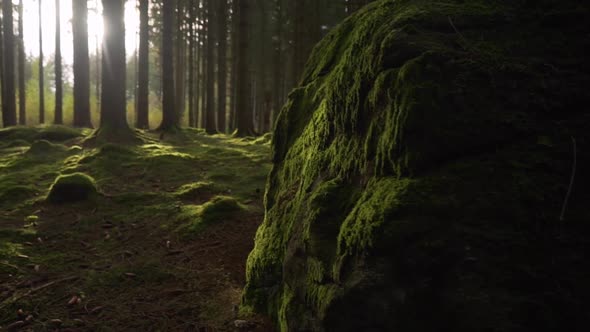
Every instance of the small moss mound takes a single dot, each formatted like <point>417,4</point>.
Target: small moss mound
<point>216,210</point>
<point>16,193</point>
<point>196,190</point>
<point>44,146</point>
<point>55,133</point>
<point>72,188</point>
<point>15,143</point>
<point>58,133</point>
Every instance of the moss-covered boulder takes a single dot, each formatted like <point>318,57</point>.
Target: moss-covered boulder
<point>423,176</point>
<point>73,187</point>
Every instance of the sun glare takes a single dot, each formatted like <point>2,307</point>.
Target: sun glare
<point>95,27</point>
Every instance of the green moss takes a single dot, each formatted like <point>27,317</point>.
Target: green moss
<point>218,209</point>
<point>71,188</point>
<point>42,147</point>
<point>197,190</point>
<point>410,126</point>
<point>16,193</point>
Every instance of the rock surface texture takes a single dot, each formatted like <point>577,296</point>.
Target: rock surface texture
<point>421,173</point>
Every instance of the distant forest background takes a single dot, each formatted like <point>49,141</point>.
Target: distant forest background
<point>274,37</point>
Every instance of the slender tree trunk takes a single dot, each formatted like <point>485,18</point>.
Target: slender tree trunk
<point>98,61</point>
<point>41,70</point>
<point>278,73</point>
<point>81,65</point>
<point>22,98</point>
<point>113,101</point>
<point>3,94</point>
<point>244,123</point>
<point>9,105</point>
<point>191,66</point>
<point>143,67</point>
<point>204,61</point>
<point>180,75</point>
<point>234,65</point>
<point>169,117</point>
<point>210,126</point>
<point>58,115</point>
<point>261,68</point>
<point>199,70</point>
<point>222,65</point>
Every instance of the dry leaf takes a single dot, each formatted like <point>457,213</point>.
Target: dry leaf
<point>73,300</point>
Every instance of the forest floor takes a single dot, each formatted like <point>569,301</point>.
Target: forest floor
<point>162,247</point>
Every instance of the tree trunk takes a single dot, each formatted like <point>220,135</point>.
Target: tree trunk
<point>22,98</point>
<point>143,67</point>
<point>222,65</point>
<point>58,115</point>
<point>41,70</point>
<point>113,101</point>
<point>244,123</point>
<point>3,95</point>
<point>81,65</point>
<point>169,117</point>
<point>179,83</point>
<point>9,105</point>
<point>191,65</point>
<point>210,126</point>
<point>278,65</point>
<point>234,65</point>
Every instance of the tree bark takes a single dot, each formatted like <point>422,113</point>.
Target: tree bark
<point>191,65</point>
<point>9,105</point>
<point>41,70</point>
<point>58,114</point>
<point>113,101</point>
<point>22,98</point>
<point>222,65</point>
<point>180,75</point>
<point>143,67</point>
<point>244,123</point>
<point>210,126</point>
<point>81,65</point>
<point>169,117</point>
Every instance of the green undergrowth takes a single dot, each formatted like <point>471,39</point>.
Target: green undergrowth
<point>108,215</point>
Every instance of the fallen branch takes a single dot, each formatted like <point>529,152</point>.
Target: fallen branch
<point>572,178</point>
<point>34,290</point>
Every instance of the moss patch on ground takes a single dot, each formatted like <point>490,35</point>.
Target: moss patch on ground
<point>163,246</point>
<point>72,188</point>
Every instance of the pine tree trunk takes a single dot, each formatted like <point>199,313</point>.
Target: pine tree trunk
<point>41,70</point>
<point>169,117</point>
<point>180,75</point>
<point>278,72</point>
<point>244,123</point>
<point>222,65</point>
<point>210,126</point>
<point>3,95</point>
<point>22,98</point>
<point>58,115</point>
<point>143,67</point>
<point>234,66</point>
<point>9,105</point>
<point>81,65</point>
<point>191,65</point>
<point>113,101</point>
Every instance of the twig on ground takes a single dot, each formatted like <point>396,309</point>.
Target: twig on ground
<point>34,290</point>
